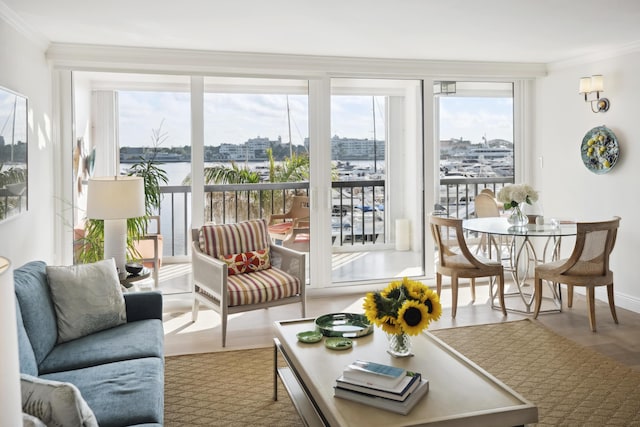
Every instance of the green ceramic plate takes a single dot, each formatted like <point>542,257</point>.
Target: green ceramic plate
<point>338,343</point>
<point>309,336</point>
<point>347,325</point>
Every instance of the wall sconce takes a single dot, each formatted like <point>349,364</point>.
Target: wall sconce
<point>589,85</point>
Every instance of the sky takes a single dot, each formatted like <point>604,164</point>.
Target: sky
<point>235,118</point>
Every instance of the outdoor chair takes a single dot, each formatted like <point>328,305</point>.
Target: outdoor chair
<point>587,266</point>
<point>281,226</point>
<point>236,268</point>
<point>149,247</point>
<point>486,206</point>
<point>299,237</point>
<point>455,260</point>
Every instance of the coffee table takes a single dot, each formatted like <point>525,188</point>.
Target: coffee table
<point>460,392</point>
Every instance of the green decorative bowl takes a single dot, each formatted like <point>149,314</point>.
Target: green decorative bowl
<point>347,325</point>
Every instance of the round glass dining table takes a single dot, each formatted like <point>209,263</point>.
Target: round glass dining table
<point>522,249</point>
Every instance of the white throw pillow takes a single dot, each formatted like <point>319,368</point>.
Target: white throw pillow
<point>55,403</point>
<point>31,421</point>
<point>87,298</point>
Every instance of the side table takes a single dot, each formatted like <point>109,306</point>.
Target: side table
<point>129,280</point>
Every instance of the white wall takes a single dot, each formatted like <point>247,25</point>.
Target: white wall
<point>24,69</point>
<point>570,190</point>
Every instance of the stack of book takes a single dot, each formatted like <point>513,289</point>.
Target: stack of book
<point>383,386</point>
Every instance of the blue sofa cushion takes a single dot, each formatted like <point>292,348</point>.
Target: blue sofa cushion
<point>133,340</point>
<point>123,393</point>
<point>28,364</point>
<point>38,313</point>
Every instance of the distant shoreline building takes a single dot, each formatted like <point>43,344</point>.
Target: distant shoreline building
<point>255,149</point>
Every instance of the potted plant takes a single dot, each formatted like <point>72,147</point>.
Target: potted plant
<point>91,245</point>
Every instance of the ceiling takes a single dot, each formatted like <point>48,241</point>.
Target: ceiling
<point>530,31</point>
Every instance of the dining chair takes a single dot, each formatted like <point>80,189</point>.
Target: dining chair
<point>587,266</point>
<point>455,260</point>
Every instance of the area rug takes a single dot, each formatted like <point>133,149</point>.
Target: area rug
<point>231,388</point>
<point>571,385</point>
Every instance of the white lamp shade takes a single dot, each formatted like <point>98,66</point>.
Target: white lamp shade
<point>597,83</point>
<point>585,85</point>
<point>115,197</point>
<point>10,397</point>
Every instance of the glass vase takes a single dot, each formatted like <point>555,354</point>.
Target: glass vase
<point>399,345</point>
<point>517,217</point>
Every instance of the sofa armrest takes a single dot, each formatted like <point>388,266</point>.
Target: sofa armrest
<point>143,305</point>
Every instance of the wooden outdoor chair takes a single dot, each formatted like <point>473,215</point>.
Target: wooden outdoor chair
<point>236,268</point>
<point>587,266</point>
<point>486,206</point>
<point>150,247</point>
<point>281,225</point>
<point>455,260</point>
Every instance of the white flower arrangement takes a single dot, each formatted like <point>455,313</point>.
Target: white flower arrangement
<point>515,194</point>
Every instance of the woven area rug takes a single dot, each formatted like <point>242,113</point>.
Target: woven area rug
<point>232,388</point>
<point>571,385</point>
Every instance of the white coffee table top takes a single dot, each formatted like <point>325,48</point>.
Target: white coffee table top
<point>460,392</point>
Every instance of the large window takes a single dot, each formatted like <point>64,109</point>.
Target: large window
<point>476,140</point>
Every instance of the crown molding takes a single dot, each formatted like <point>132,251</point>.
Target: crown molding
<point>595,57</point>
<point>15,21</point>
<point>133,59</point>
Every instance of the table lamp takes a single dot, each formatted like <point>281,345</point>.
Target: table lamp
<point>10,397</point>
<point>114,199</point>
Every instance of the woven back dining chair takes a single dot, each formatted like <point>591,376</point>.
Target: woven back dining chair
<point>456,261</point>
<point>588,266</point>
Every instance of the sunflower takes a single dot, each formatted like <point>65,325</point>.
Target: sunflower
<point>393,290</point>
<point>413,317</point>
<point>390,325</point>
<point>404,306</point>
<point>432,302</point>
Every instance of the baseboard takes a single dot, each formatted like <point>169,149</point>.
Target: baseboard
<point>622,300</point>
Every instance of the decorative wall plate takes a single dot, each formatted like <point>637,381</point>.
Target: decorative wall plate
<point>599,150</point>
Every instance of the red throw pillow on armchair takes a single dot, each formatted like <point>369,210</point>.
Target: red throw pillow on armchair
<point>247,262</point>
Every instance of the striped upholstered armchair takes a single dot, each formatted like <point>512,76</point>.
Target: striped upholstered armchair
<point>236,269</point>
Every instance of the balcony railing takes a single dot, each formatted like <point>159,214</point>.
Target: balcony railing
<point>457,194</point>
<point>358,215</point>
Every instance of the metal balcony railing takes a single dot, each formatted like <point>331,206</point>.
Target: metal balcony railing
<point>358,215</point>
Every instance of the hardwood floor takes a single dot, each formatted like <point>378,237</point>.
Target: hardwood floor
<point>254,329</point>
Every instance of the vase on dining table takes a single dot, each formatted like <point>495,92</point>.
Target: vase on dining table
<point>399,345</point>
<point>517,217</point>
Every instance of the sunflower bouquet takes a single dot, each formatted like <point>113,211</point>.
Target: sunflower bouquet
<point>405,306</point>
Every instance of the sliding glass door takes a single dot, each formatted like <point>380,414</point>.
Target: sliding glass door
<point>376,190</point>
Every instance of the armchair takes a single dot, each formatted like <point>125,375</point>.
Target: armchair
<point>236,268</point>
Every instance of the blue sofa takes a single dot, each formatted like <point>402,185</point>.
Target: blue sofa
<point>119,371</point>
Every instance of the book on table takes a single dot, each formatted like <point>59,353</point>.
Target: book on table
<point>400,392</point>
<point>399,407</point>
<point>377,374</point>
